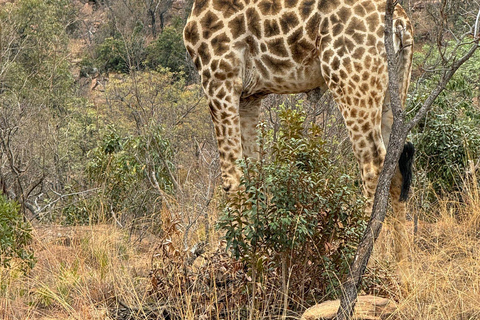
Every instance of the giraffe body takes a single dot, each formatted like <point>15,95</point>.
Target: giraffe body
<point>246,49</point>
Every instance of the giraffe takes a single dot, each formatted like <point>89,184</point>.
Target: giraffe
<point>247,49</point>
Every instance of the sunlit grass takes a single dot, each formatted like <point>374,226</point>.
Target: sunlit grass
<point>98,271</point>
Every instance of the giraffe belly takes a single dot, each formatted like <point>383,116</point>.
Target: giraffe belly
<point>296,79</point>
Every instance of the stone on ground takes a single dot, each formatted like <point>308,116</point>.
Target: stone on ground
<point>367,308</point>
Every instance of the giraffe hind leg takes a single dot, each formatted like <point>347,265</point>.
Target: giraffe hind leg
<point>249,111</point>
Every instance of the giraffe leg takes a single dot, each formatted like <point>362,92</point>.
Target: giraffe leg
<point>370,152</point>
<point>399,207</point>
<point>224,100</point>
<point>399,187</point>
<point>249,111</point>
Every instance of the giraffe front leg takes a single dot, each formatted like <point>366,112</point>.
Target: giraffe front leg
<point>224,110</point>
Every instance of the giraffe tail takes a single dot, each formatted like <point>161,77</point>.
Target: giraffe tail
<point>405,165</point>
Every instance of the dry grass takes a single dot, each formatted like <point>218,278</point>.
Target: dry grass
<point>94,272</point>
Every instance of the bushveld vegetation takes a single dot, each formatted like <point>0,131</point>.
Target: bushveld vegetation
<point>111,206</point>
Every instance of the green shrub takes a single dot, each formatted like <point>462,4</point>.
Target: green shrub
<point>15,235</point>
<point>449,136</point>
<point>112,55</point>
<point>130,172</point>
<point>167,51</point>
<point>298,209</point>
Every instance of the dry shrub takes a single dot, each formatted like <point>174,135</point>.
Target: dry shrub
<point>81,273</point>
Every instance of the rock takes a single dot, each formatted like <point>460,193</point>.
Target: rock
<point>367,308</point>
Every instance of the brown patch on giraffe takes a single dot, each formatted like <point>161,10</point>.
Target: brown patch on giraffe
<point>206,74</point>
<point>288,21</point>
<point>276,65</point>
<point>252,44</point>
<point>220,44</point>
<point>237,26</point>
<point>347,64</point>
<point>221,94</point>
<point>220,76</point>
<point>367,62</point>
<point>279,80</point>
<point>369,6</point>
<point>359,10</point>
<point>263,70</point>
<point>197,63</point>
<point>271,28</point>
<point>190,51</point>
<point>359,38</point>
<point>300,50</point>
<point>210,24</point>
<point>290,3</point>
<point>270,7</point>
<point>296,36</point>
<point>366,127</point>
<point>199,6</point>
<point>204,54</point>
<point>263,47</point>
<point>373,20</point>
<point>312,26</point>
<point>325,27</point>
<point>225,66</point>
<point>380,32</point>
<point>327,55</point>
<point>358,53</point>
<point>214,65</point>
<point>306,8</point>
<point>277,47</point>
<point>344,14</point>
<point>337,28</point>
<point>364,88</point>
<point>328,5</point>
<point>228,7</point>
<point>190,33</point>
<point>355,26</point>
<point>335,63</point>
<point>228,85</point>
<point>253,22</point>
<point>343,45</point>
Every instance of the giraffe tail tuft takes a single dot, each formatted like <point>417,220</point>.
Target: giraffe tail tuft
<point>405,165</point>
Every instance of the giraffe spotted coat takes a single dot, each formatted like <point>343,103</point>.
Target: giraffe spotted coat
<point>246,49</point>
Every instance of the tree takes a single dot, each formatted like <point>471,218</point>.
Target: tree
<point>451,63</point>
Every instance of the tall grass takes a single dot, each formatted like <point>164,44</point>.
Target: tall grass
<point>103,272</point>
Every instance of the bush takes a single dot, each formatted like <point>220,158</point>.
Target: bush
<point>130,172</point>
<point>15,235</point>
<point>167,51</point>
<point>298,211</point>
<point>449,135</point>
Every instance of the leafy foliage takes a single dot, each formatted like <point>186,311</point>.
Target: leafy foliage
<point>167,50</point>
<point>130,171</point>
<point>449,136</point>
<point>15,235</point>
<point>297,209</point>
